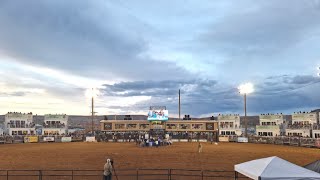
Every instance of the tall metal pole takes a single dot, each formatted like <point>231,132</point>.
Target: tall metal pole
<point>245,115</point>
<point>92,111</point>
<point>179,107</point>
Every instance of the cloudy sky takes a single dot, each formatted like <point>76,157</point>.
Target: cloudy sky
<point>139,53</point>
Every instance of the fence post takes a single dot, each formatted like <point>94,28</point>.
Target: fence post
<point>72,175</point>
<point>202,174</point>
<point>7,175</point>
<point>40,175</point>
<point>137,174</point>
<point>169,174</point>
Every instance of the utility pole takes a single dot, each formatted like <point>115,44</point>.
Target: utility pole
<point>179,106</point>
<point>92,111</point>
<point>245,115</point>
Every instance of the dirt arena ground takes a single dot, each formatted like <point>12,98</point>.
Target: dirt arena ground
<point>84,156</point>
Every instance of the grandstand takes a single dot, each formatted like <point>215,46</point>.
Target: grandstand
<point>271,125</point>
<point>17,123</point>
<point>55,124</point>
<point>301,125</point>
<point>177,130</point>
<point>229,125</point>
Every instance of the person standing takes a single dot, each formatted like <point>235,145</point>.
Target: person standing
<point>107,173</point>
<point>200,148</point>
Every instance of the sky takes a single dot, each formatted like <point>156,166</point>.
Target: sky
<point>139,53</point>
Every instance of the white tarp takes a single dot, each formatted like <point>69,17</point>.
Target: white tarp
<point>274,168</point>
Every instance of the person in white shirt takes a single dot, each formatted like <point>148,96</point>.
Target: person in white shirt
<point>107,173</point>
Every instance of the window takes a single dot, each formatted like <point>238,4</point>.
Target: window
<point>119,126</point>
<point>144,126</point>
<point>197,126</point>
<point>184,126</point>
<point>107,126</point>
<point>131,126</point>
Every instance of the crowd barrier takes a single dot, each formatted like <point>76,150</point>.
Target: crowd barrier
<point>123,174</point>
<point>39,139</point>
<point>279,140</point>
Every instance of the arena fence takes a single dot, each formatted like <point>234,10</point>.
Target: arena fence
<point>120,174</point>
<point>280,140</point>
<point>284,140</point>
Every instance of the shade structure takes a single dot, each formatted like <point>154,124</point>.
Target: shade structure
<point>272,168</point>
<point>314,166</point>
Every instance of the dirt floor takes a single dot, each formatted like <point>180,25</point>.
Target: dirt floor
<point>86,156</point>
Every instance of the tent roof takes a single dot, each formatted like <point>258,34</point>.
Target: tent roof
<point>314,166</point>
<point>274,168</point>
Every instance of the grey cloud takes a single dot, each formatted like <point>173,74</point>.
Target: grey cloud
<point>304,79</point>
<point>155,88</point>
<point>263,28</point>
<point>272,95</point>
<point>16,94</point>
<point>96,39</point>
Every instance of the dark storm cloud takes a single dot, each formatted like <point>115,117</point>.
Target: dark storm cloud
<point>156,88</point>
<point>273,95</point>
<point>96,39</point>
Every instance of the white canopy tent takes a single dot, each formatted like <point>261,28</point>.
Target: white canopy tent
<point>274,168</point>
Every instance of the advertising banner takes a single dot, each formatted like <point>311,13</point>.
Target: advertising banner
<point>54,116</point>
<point>242,139</point>
<point>224,139</point>
<point>66,139</point>
<point>48,139</point>
<point>317,143</point>
<point>305,117</point>
<point>31,139</point>
<point>90,139</point>
<point>268,127</point>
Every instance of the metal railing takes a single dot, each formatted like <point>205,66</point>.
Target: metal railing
<point>119,174</point>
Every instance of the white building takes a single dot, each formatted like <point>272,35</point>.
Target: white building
<point>55,124</point>
<point>229,125</point>
<point>19,124</point>
<point>271,125</point>
<point>302,123</point>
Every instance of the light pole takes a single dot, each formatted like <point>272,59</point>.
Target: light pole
<point>245,89</point>
<point>92,93</point>
<point>318,70</point>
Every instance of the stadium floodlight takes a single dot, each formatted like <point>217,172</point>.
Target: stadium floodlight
<point>92,93</point>
<point>245,89</point>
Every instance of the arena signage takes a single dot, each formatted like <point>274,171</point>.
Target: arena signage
<point>48,139</point>
<point>54,116</point>
<point>31,139</point>
<point>90,139</point>
<point>228,117</point>
<point>242,139</point>
<point>272,117</point>
<point>304,117</point>
<point>66,139</point>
